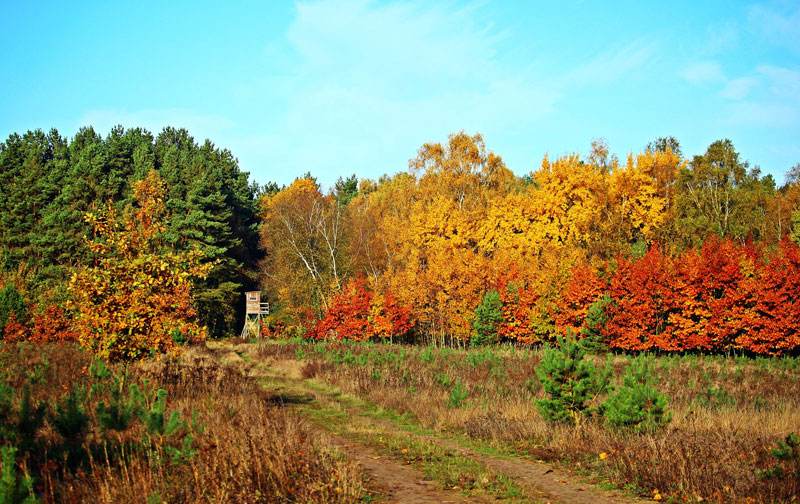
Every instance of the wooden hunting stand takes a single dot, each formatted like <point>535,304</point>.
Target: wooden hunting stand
<point>254,311</point>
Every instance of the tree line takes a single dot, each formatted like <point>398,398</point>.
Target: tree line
<point>455,250</point>
<point>473,253</point>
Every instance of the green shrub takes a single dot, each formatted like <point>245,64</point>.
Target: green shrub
<point>70,419</point>
<point>10,302</point>
<point>571,381</point>
<point>29,419</point>
<point>488,315</point>
<point>788,453</point>
<point>596,318</point>
<point>458,395</point>
<point>637,404</point>
<point>14,489</point>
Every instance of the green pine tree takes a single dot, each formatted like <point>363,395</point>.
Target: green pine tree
<point>637,404</point>
<point>571,381</point>
<point>592,331</point>
<point>488,315</point>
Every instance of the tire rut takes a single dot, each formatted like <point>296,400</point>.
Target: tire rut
<point>394,481</point>
<point>547,482</point>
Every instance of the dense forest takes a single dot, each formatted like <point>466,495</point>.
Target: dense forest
<point>49,184</point>
<point>652,251</point>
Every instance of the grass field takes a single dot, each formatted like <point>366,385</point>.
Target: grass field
<point>727,413</point>
<point>358,422</point>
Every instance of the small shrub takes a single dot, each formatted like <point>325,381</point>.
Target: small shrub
<point>637,405</point>
<point>178,337</point>
<point>571,381</point>
<point>427,356</point>
<point>71,420</point>
<point>458,395</point>
<point>488,316</point>
<point>788,453</point>
<point>10,303</point>
<point>13,489</point>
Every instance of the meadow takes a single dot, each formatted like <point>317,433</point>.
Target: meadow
<point>265,421</point>
<point>726,413</point>
<point>74,429</point>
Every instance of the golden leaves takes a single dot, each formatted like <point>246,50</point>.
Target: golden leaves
<point>139,292</point>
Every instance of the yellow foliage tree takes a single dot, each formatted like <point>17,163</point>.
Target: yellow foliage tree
<point>137,298</point>
<point>567,196</point>
<point>303,233</point>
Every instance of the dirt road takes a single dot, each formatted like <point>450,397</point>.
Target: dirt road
<point>395,477</point>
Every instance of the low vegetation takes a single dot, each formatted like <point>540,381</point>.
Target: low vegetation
<point>690,427</point>
<point>74,429</point>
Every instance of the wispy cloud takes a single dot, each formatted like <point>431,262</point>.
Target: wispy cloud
<point>702,73</point>
<point>783,82</point>
<point>613,65</point>
<point>721,38</point>
<point>772,98</point>
<point>737,89</point>
<point>778,22</point>
<point>374,81</point>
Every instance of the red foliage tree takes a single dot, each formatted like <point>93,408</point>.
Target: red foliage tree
<point>584,287</point>
<point>776,324</point>
<point>713,296</point>
<point>356,313</point>
<point>637,315</point>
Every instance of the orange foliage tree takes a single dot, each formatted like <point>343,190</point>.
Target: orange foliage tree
<point>722,296</point>
<point>356,313</point>
<point>137,298</point>
<point>776,325</point>
<point>584,287</point>
<point>48,326</point>
<point>713,295</point>
<point>639,291</point>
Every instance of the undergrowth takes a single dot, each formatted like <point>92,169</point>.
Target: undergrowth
<point>74,429</point>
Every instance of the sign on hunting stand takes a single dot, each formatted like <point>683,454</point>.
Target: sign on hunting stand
<point>253,303</point>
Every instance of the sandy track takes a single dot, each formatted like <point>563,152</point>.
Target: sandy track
<point>400,482</point>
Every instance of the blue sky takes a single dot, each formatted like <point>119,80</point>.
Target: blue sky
<point>342,87</point>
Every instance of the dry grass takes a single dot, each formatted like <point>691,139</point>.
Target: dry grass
<point>727,412</point>
<point>248,448</point>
